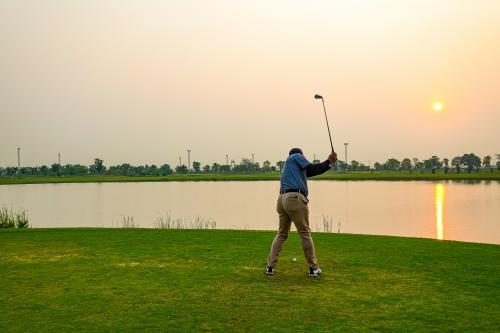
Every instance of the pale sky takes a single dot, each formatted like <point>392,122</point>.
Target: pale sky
<point>142,81</point>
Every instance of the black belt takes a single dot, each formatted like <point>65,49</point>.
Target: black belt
<point>288,191</point>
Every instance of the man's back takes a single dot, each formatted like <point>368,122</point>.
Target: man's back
<point>293,175</point>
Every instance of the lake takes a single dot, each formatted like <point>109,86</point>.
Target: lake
<point>442,210</point>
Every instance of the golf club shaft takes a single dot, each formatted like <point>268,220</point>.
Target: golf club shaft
<point>327,126</point>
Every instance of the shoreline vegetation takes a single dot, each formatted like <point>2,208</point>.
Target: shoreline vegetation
<point>354,176</point>
<point>11,219</point>
<point>68,280</point>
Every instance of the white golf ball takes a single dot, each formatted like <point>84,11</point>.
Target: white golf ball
<point>294,259</point>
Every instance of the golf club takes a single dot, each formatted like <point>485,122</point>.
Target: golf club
<point>328,126</point>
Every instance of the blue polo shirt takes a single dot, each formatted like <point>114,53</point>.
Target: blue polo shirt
<point>293,175</point>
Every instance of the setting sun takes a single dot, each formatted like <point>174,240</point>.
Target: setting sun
<point>438,107</point>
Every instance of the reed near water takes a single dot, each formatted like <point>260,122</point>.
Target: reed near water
<point>169,222</point>
<point>10,219</point>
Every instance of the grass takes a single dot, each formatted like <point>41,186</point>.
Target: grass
<point>125,280</point>
<point>253,177</point>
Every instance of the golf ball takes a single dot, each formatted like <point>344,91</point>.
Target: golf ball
<point>294,259</point>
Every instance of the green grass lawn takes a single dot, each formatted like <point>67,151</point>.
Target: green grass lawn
<point>68,280</point>
<point>253,177</point>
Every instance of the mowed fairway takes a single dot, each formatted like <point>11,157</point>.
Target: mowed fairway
<point>68,280</point>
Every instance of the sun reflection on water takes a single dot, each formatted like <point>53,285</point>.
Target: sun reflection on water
<point>439,200</point>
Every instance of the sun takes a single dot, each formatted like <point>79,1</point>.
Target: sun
<point>438,107</point>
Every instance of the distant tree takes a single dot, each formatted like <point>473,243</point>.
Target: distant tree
<point>80,169</point>
<point>166,170</point>
<point>98,166</point>
<point>206,168</point>
<point>124,169</point>
<point>280,165</point>
<point>377,166</point>
<point>114,170</point>
<point>140,170</point>
<point>470,161</point>
<point>153,170</point>
<point>44,170</point>
<point>446,165</point>
<point>487,162</point>
<point>55,169</point>
<point>74,170</point>
<point>498,161</point>
<point>196,166</point>
<point>181,169</point>
<point>354,165</point>
<point>456,162</point>
<point>215,167</point>
<point>392,164</point>
<point>10,171</point>
<point>436,163</point>
<point>341,165</point>
<point>406,164</point>
<point>246,166</point>
<point>415,161</point>
<point>26,171</point>
<point>266,166</point>
<point>419,166</point>
<point>428,164</point>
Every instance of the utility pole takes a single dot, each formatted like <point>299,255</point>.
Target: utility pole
<point>18,160</point>
<point>252,158</point>
<point>180,161</point>
<point>346,144</point>
<point>189,159</point>
<point>227,159</point>
<point>59,158</point>
<point>314,158</point>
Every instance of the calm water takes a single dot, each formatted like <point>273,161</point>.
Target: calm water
<point>443,210</point>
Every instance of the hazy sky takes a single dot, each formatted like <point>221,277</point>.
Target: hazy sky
<point>142,81</point>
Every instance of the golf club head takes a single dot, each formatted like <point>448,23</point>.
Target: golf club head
<point>318,96</point>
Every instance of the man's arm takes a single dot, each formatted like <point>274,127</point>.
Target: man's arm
<point>317,169</point>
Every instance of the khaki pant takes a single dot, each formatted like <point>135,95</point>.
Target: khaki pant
<point>292,206</point>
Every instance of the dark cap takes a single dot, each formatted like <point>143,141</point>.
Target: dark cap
<point>295,151</point>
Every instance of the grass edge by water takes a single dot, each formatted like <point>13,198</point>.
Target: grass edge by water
<point>383,176</point>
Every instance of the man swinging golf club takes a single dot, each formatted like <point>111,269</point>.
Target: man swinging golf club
<point>292,204</point>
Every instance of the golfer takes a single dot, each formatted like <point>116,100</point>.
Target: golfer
<point>292,206</point>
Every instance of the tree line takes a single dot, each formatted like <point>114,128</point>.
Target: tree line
<point>467,162</point>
